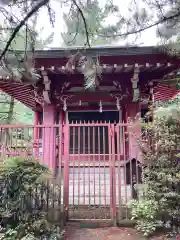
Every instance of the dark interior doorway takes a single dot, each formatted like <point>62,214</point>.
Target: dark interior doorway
<point>90,139</point>
<point>94,116</point>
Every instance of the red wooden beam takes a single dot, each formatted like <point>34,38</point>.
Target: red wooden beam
<point>111,60</point>
<point>90,108</point>
<point>92,96</point>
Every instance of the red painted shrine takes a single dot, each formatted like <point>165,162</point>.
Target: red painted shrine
<point>80,128</point>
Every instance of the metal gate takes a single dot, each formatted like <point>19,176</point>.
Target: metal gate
<point>90,161</point>
<point>98,181</point>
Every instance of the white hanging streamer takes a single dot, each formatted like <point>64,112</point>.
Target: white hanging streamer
<point>100,107</point>
<point>118,103</point>
<point>118,98</point>
<point>65,105</point>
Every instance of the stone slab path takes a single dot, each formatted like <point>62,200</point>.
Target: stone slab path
<point>112,233</point>
<point>75,232</point>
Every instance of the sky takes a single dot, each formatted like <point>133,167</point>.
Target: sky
<point>148,37</point>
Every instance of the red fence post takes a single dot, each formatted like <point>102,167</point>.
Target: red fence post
<point>36,134</point>
<point>66,170</point>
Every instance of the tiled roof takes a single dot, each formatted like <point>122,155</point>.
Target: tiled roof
<point>163,92</point>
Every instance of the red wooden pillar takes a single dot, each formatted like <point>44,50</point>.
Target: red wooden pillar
<point>60,143</point>
<point>124,130</point>
<point>134,130</point>
<point>49,137</point>
<point>36,134</point>
<point>151,100</point>
<point>64,160</point>
<point>61,123</point>
<point>62,117</point>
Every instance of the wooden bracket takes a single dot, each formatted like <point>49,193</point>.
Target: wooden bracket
<point>38,98</point>
<point>47,84</point>
<point>135,80</point>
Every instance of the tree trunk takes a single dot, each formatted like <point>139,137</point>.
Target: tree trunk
<point>9,120</point>
<point>11,111</point>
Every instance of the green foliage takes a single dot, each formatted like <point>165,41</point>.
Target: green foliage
<point>39,230</point>
<point>18,178</point>
<point>166,108</point>
<point>23,114</point>
<point>12,111</point>
<point>95,19</point>
<point>26,39</point>
<point>160,146</point>
<point>6,108</point>
<point>21,207</point>
<point>146,214</point>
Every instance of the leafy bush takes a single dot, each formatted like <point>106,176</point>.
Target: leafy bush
<point>145,212</point>
<point>160,145</point>
<point>22,213</point>
<point>141,190</point>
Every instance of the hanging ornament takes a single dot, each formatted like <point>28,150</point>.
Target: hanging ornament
<point>80,103</point>
<point>100,107</point>
<point>118,98</point>
<point>65,105</point>
<point>64,99</point>
<point>117,103</point>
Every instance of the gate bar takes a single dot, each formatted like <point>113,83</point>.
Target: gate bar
<point>113,175</point>
<point>66,170</point>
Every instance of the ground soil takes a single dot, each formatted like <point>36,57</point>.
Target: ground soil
<point>110,233</point>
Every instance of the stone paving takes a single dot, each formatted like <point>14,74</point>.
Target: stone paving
<point>112,233</point>
<point>74,232</point>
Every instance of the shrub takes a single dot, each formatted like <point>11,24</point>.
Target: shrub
<point>22,210</point>
<point>145,212</point>
<point>160,146</point>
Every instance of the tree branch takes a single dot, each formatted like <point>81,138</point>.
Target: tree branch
<point>84,21</point>
<point>75,35</point>
<point>21,24</point>
<point>164,19</point>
